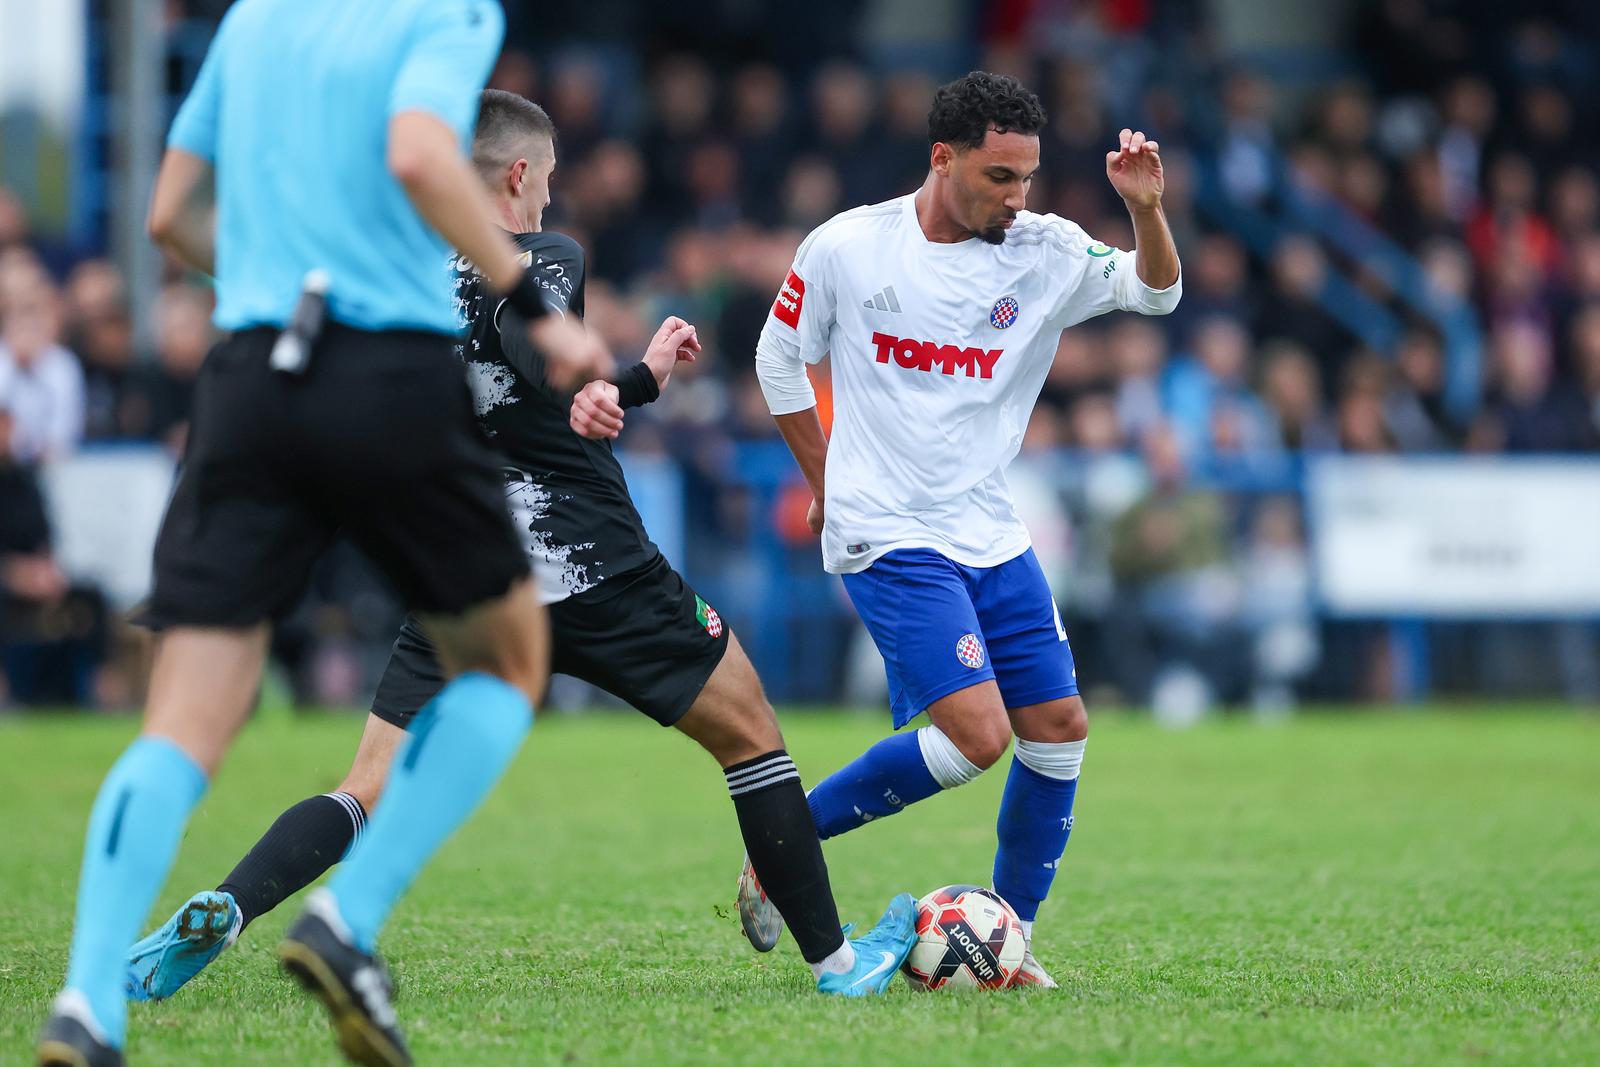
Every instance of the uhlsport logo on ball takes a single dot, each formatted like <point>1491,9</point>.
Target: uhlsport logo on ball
<point>967,937</point>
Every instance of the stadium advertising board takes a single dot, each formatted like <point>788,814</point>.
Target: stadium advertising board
<point>1463,538</point>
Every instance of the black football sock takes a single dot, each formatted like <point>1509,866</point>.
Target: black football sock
<point>305,841</point>
<point>784,850</point>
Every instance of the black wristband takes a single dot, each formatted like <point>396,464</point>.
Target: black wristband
<point>527,297</point>
<point>636,386</point>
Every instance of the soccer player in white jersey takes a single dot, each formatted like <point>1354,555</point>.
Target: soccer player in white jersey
<point>942,311</point>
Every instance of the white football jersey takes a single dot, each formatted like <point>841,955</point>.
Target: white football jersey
<point>939,352</point>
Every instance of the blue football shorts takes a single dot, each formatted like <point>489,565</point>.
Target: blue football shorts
<point>942,626</point>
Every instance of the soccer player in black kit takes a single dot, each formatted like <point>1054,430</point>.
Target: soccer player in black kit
<point>621,617</point>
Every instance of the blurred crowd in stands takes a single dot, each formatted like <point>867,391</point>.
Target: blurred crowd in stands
<point>1157,472</point>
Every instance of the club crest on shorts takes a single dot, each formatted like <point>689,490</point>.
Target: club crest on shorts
<point>707,616</point>
<point>1004,312</point>
<point>969,650</point>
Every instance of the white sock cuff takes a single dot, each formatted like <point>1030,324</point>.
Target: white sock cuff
<point>1060,759</point>
<point>352,807</point>
<point>945,761</point>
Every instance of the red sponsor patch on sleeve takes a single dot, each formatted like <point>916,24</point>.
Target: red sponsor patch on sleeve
<point>790,298</point>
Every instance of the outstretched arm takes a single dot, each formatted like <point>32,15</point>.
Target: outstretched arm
<point>1135,173</point>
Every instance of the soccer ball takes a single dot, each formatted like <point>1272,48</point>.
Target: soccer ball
<point>967,938</point>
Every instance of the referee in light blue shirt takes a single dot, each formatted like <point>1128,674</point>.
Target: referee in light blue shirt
<point>334,137</point>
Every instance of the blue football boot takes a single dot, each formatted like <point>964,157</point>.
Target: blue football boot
<point>196,934</point>
<point>879,952</point>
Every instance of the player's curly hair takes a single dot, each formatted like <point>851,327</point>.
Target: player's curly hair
<point>969,107</point>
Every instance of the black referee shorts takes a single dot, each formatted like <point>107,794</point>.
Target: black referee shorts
<point>377,437</point>
<point>644,636</point>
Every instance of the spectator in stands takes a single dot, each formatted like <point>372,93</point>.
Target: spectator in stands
<point>1247,155</point>
<point>1216,281</point>
<point>1178,596</point>
<point>1293,394</point>
<point>682,96</point>
<point>40,381</point>
<point>51,635</point>
<point>812,193</point>
<point>1214,411</point>
<point>1138,355</point>
<point>1277,605</point>
<point>1361,418</point>
<point>100,331</point>
<point>604,201</point>
<point>1509,218</point>
<point>1532,410</point>
<point>1293,311</point>
<point>1415,408</point>
<point>843,132</point>
<point>1469,113</point>
<point>763,134</point>
<point>183,337</point>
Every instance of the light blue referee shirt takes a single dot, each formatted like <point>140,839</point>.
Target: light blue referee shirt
<point>292,106</point>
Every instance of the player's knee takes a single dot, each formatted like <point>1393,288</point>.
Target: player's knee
<point>1075,723</point>
<point>984,741</point>
<point>752,731</point>
<point>732,730</point>
<point>1056,722</point>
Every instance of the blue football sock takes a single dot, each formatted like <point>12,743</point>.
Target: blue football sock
<point>134,830</point>
<point>460,744</point>
<point>1035,821</point>
<point>881,781</point>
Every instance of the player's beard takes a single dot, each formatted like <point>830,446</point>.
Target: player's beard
<point>994,235</point>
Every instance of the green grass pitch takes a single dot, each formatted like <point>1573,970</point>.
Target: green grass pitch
<point>1361,888</point>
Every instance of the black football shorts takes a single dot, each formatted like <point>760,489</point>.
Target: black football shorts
<point>376,438</point>
<point>643,636</point>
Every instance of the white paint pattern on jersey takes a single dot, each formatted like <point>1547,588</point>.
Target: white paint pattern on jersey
<point>557,574</point>
<point>492,386</point>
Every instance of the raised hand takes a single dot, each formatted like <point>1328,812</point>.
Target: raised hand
<point>1135,170</point>
<point>675,342</point>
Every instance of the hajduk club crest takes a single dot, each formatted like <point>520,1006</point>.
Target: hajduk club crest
<point>969,650</point>
<point>1004,312</point>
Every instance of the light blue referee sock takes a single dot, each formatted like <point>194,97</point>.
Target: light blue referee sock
<point>899,770</point>
<point>134,830</point>
<point>460,744</point>
<point>1035,821</point>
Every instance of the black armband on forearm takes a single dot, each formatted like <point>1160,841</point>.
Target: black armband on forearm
<point>528,298</point>
<point>636,386</point>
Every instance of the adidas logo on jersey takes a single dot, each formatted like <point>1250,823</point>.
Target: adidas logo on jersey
<point>883,300</point>
<point>926,355</point>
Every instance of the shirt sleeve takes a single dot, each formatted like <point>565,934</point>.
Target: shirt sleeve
<point>453,47</point>
<point>1096,278</point>
<point>194,130</point>
<point>796,331</point>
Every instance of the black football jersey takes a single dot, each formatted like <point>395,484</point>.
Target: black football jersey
<point>566,493</point>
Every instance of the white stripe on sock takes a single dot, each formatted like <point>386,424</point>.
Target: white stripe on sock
<point>774,779</point>
<point>744,774</point>
<point>352,808</point>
